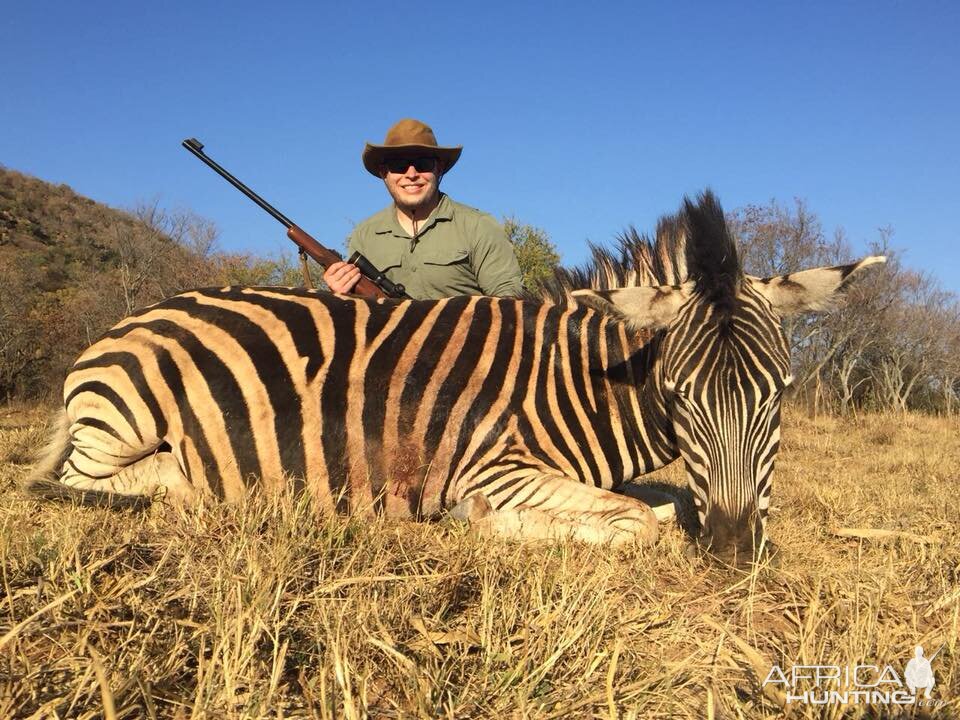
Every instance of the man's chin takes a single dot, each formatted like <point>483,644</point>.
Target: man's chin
<point>410,204</point>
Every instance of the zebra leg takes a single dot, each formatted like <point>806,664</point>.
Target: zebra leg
<point>157,475</point>
<point>552,507</point>
<point>109,454</point>
<point>472,508</point>
<point>664,504</point>
<point>91,465</point>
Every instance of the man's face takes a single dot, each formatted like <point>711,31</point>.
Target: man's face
<point>412,182</point>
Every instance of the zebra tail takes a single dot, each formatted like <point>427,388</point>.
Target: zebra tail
<point>43,481</point>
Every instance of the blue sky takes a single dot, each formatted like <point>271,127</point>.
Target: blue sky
<point>580,118</point>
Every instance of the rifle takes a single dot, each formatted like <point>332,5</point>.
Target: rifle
<point>372,284</point>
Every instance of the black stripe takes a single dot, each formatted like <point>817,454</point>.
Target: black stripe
<point>424,367</point>
<point>626,374</point>
<point>531,491</point>
<point>530,352</point>
<point>566,397</point>
<point>80,451</point>
<point>333,402</point>
<point>502,469</point>
<point>601,419</point>
<point>489,394</point>
<point>298,320</point>
<point>494,489</point>
<point>101,389</point>
<point>186,465</point>
<point>459,376</point>
<point>380,315</point>
<point>376,384</point>
<point>527,354</point>
<point>226,394</point>
<point>100,425</point>
<point>541,404</point>
<point>192,427</point>
<point>131,366</point>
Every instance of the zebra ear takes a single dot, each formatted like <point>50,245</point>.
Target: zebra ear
<point>817,289</point>
<point>640,307</point>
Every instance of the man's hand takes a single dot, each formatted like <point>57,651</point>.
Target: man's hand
<point>340,277</point>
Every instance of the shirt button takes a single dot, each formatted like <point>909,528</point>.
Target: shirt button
<point>413,269</point>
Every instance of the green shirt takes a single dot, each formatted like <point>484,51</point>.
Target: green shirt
<point>457,251</point>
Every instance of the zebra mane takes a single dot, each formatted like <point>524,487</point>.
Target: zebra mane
<point>695,244</point>
<point>635,261</point>
<point>713,263</point>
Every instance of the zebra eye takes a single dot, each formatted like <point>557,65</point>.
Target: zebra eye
<point>675,392</point>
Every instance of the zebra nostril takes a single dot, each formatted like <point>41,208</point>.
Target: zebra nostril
<point>741,555</point>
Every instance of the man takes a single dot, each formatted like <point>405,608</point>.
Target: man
<point>433,246</point>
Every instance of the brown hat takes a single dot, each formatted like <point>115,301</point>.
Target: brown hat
<point>405,138</point>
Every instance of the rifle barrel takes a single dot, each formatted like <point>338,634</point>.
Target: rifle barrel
<point>372,284</point>
<point>196,147</point>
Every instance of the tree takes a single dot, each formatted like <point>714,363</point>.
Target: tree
<point>21,340</point>
<point>246,269</point>
<point>774,240</point>
<point>537,255</point>
<point>912,353</point>
<point>890,345</point>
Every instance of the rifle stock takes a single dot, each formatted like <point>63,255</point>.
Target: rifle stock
<point>326,257</point>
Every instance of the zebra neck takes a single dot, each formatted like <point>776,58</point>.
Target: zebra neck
<point>626,368</point>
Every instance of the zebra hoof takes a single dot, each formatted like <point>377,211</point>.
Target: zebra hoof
<point>472,508</point>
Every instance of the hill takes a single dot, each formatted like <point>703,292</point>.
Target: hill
<point>61,235</point>
<point>72,267</point>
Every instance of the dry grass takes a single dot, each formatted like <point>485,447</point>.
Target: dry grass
<point>262,611</point>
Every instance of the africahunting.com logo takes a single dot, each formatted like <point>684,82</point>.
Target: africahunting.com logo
<point>859,684</point>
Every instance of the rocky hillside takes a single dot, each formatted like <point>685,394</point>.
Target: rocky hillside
<point>61,235</point>
<point>72,267</point>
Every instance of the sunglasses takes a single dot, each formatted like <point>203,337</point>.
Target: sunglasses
<point>421,164</point>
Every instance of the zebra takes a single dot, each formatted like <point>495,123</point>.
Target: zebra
<point>522,416</point>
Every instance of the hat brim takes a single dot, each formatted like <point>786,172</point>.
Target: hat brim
<point>375,155</point>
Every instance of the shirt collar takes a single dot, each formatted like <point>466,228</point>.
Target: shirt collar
<point>387,222</point>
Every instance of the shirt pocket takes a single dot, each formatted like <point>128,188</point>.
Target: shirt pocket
<point>386,258</point>
<point>445,257</point>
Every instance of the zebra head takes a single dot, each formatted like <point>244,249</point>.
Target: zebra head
<point>723,363</point>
